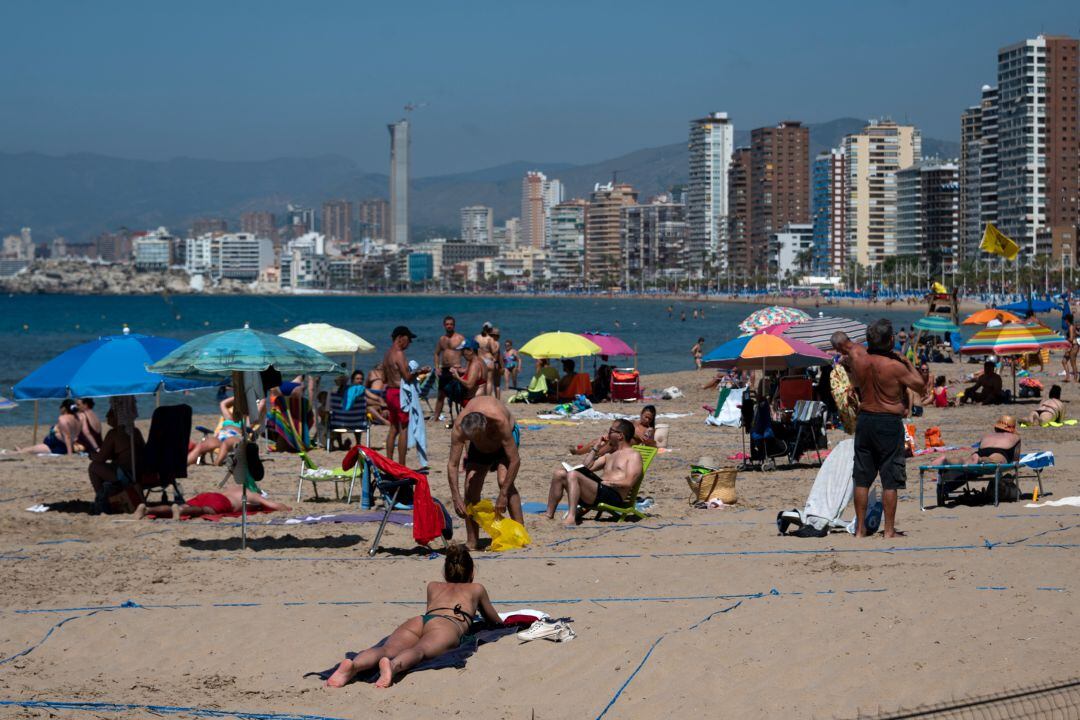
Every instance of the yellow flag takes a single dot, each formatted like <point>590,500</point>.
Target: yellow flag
<point>998,243</point>
<point>939,288</point>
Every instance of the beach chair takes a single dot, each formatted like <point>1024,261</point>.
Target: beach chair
<point>354,420</point>
<point>624,513</point>
<point>963,474</point>
<point>625,385</point>
<point>580,384</point>
<point>808,417</point>
<point>394,484</point>
<point>793,389</point>
<point>164,459</point>
<point>765,447</point>
<point>314,473</point>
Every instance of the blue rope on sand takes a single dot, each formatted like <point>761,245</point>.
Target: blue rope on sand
<point>159,709</point>
<point>41,642</point>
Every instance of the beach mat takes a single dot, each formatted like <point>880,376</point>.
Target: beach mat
<point>479,634</point>
<point>539,508</point>
<point>396,518</point>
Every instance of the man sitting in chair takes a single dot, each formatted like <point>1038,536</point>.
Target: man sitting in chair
<point>621,469</point>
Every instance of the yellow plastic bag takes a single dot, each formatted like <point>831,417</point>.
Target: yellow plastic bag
<point>506,534</point>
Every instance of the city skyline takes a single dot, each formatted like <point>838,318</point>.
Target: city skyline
<point>89,95</point>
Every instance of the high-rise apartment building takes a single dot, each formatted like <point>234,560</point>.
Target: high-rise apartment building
<point>538,195</point>
<point>208,226</point>
<point>654,239</point>
<point>373,218</point>
<point>829,188</point>
<point>399,182</point>
<point>566,256</point>
<point>970,184</point>
<point>603,257</point>
<point>712,140</point>
<point>299,221</point>
<point>337,221</point>
<point>873,158</point>
<point>1038,137</point>
<point>259,224</point>
<point>738,235</point>
<point>779,183</point>
<point>928,215</point>
<point>477,224</point>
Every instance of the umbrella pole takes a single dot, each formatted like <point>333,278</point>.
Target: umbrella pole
<point>35,421</point>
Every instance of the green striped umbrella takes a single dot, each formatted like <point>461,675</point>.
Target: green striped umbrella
<point>936,324</point>
<point>220,354</point>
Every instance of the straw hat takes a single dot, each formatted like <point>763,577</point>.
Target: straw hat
<point>1006,423</point>
<point>706,461</point>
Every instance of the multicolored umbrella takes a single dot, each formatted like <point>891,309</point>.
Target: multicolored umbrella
<point>609,344</point>
<point>982,317</point>
<point>553,345</point>
<point>1011,339</point>
<point>769,316</point>
<point>764,351</point>
<point>819,331</point>
<point>935,324</point>
<point>328,339</point>
<point>1048,339</point>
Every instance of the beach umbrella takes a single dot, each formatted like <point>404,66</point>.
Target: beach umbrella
<point>769,316</point>
<point>553,345</point>
<point>328,340</point>
<point>982,317</point>
<point>1030,305</point>
<point>1012,339</point>
<point>609,344</point>
<point>935,324</point>
<point>819,331</point>
<point>764,351</point>
<point>236,353</point>
<point>1047,338</point>
<point>111,365</point>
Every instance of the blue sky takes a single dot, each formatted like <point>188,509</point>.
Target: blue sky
<point>541,81</point>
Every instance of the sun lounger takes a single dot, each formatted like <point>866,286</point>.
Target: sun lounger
<point>1034,463</point>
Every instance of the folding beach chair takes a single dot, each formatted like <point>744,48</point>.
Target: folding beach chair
<point>164,459</point>
<point>395,484</point>
<point>793,389</point>
<point>314,473</point>
<point>625,385</point>
<point>765,447</point>
<point>809,417</point>
<point>354,420</point>
<point>623,513</point>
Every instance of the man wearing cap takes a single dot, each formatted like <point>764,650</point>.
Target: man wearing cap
<point>447,357</point>
<point>473,377</point>
<point>883,378</point>
<point>396,371</point>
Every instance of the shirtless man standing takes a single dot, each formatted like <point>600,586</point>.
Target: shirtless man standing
<point>883,379</point>
<point>621,468</point>
<point>473,377</point>
<point>396,371</point>
<point>486,434</point>
<point>447,356</point>
<point>489,354</point>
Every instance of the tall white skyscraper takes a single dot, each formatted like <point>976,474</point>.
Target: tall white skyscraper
<point>399,182</point>
<point>477,224</point>
<point>538,195</point>
<point>712,140</point>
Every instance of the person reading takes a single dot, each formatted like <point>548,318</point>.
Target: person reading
<point>609,479</point>
<point>451,607</point>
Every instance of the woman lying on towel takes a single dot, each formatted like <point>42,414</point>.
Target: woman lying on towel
<point>451,606</point>
<point>211,503</point>
<point>1050,410</point>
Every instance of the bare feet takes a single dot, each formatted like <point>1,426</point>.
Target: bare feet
<point>386,673</point>
<point>342,675</point>
<point>175,512</point>
<point>140,512</point>
<point>895,533</point>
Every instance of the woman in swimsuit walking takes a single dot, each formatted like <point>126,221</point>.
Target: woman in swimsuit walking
<point>451,606</point>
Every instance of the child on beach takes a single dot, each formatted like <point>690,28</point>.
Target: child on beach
<point>451,606</point>
<point>941,392</point>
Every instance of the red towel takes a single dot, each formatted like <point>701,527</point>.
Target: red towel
<point>428,521</point>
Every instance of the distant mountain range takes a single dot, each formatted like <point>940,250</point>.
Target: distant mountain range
<point>81,195</point>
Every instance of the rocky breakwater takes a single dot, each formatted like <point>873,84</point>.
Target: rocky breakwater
<point>82,278</point>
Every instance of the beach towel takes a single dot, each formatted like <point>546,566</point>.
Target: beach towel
<point>282,422</point>
<point>477,635</point>
<point>352,393</point>
<point>410,403</point>
<point>1063,502</point>
<point>395,518</point>
<point>729,412</point>
<point>830,494</point>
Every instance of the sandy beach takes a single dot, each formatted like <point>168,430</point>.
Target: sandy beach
<point>703,612</point>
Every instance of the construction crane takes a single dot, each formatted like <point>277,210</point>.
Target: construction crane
<point>411,106</point>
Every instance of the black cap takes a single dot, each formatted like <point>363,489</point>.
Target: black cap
<point>402,330</point>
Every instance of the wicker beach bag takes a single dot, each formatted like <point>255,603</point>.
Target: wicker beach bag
<point>714,485</point>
